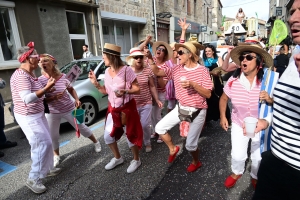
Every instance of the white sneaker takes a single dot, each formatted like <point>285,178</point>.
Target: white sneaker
<point>97,147</point>
<point>148,149</point>
<point>113,163</point>
<point>53,172</point>
<point>36,186</point>
<point>134,164</point>
<point>56,160</point>
<point>153,135</point>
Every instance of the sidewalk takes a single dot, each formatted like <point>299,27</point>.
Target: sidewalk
<point>8,118</point>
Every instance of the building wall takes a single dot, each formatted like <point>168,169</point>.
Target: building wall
<point>216,17</point>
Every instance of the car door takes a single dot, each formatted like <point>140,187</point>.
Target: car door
<point>103,97</point>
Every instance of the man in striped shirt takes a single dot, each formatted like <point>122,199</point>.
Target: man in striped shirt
<point>279,172</point>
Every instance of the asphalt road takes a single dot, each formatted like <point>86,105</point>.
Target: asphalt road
<point>84,176</point>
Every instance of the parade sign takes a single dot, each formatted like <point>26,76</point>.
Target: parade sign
<point>73,74</point>
<point>237,27</point>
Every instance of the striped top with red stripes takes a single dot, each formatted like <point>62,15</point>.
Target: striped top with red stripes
<point>158,88</point>
<point>190,97</point>
<point>20,81</point>
<point>63,104</point>
<point>244,102</point>
<point>144,97</point>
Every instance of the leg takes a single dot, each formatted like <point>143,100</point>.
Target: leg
<point>255,156</point>
<point>110,141</point>
<point>145,116</point>
<point>54,124</point>
<point>2,124</point>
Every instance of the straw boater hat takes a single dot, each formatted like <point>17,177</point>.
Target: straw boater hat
<point>194,41</point>
<point>172,45</point>
<point>135,51</point>
<point>252,40</point>
<point>140,42</point>
<point>189,46</point>
<point>237,51</point>
<point>168,47</point>
<point>112,49</point>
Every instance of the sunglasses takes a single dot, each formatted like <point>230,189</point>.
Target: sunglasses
<point>138,57</point>
<point>34,56</point>
<point>160,49</point>
<point>248,57</point>
<point>180,52</point>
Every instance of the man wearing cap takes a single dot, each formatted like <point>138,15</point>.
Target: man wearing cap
<point>279,172</point>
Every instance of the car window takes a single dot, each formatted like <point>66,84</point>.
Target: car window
<point>85,67</point>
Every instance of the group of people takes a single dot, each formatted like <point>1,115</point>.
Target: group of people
<point>137,91</point>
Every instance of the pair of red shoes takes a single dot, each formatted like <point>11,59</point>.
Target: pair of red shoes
<point>230,181</point>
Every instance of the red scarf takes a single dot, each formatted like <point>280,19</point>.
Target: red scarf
<point>27,53</point>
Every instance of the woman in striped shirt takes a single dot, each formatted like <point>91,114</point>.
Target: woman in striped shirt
<point>191,93</point>
<point>60,103</point>
<point>143,100</point>
<point>28,94</point>
<point>244,90</point>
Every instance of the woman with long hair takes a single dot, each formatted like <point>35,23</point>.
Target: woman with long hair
<point>121,85</point>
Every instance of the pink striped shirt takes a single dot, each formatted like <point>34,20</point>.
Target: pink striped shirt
<point>117,83</point>
<point>19,82</point>
<point>63,104</point>
<point>144,97</point>
<point>158,88</point>
<point>244,102</point>
<point>190,97</point>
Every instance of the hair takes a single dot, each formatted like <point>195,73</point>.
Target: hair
<point>114,60</point>
<point>213,49</point>
<point>87,46</point>
<point>193,59</point>
<point>241,9</point>
<point>259,62</point>
<point>166,52</point>
<point>23,50</point>
<point>55,68</point>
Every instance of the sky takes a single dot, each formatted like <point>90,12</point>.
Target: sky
<point>230,8</point>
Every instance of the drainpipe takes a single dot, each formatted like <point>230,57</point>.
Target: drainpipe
<point>100,26</point>
<point>94,33</point>
<point>155,24</point>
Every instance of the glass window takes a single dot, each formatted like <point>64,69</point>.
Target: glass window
<point>76,23</point>
<point>105,30</point>
<point>9,35</point>
<point>85,67</point>
<point>119,30</point>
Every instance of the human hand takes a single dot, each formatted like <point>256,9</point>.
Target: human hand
<point>92,77</point>
<point>230,49</point>
<point>182,23</point>
<point>186,84</point>
<point>50,83</point>
<point>159,103</point>
<point>77,103</point>
<point>120,93</point>
<point>147,53</point>
<point>148,38</point>
<point>224,123</point>
<point>264,96</point>
<point>261,125</point>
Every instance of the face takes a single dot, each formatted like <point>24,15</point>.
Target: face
<point>240,10</point>
<point>84,48</point>
<point>183,55</point>
<point>294,21</point>
<point>209,52</point>
<point>138,61</point>
<point>160,52</point>
<point>46,64</point>
<point>248,63</point>
<point>106,61</point>
<point>34,60</point>
<point>174,53</point>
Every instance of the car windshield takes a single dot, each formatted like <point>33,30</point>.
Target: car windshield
<point>85,67</point>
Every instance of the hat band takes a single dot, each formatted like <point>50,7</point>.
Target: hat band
<point>111,51</point>
<point>135,51</point>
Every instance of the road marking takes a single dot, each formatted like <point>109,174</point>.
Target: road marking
<point>64,143</point>
<point>6,168</point>
<point>97,126</point>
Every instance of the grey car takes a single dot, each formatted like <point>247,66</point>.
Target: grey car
<point>91,99</point>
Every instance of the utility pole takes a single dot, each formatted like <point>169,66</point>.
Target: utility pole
<point>155,24</point>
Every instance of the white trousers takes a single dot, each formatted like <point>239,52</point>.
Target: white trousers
<point>239,144</point>
<point>171,119</point>
<point>156,111</point>
<point>54,124</point>
<point>145,117</point>
<point>36,129</point>
<point>108,128</point>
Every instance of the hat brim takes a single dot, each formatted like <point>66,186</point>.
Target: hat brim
<point>186,47</point>
<point>115,54</point>
<point>197,45</point>
<point>128,58</point>
<point>168,47</point>
<point>237,51</point>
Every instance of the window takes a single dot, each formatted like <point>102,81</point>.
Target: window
<point>105,30</point>
<point>188,7</point>
<point>9,34</point>
<point>195,8</point>
<point>77,32</point>
<point>207,15</point>
<point>119,30</point>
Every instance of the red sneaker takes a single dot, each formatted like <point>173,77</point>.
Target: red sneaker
<point>230,182</point>
<point>253,181</point>
<point>193,167</point>
<point>172,157</point>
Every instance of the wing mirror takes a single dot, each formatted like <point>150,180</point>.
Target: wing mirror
<point>101,77</point>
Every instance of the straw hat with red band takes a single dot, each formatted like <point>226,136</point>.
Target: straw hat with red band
<point>237,52</point>
<point>189,46</point>
<point>135,51</point>
<point>168,48</point>
<point>27,53</point>
<point>112,49</point>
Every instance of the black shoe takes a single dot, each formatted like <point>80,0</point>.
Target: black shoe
<point>8,144</point>
<point>1,154</point>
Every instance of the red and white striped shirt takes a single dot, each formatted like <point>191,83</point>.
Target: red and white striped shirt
<point>158,88</point>
<point>244,102</point>
<point>190,97</point>
<point>19,82</point>
<point>144,97</point>
<point>63,104</point>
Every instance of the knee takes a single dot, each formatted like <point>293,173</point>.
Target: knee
<point>108,139</point>
<point>239,155</point>
<point>159,128</point>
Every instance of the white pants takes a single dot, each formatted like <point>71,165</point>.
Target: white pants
<point>108,128</point>
<point>36,129</point>
<point>171,119</point>
<point>54,124</point>
<point>145,116</point>
<point>239,148</point>
<point>156,111</point>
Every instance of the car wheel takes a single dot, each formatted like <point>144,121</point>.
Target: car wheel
<point>91,110</point>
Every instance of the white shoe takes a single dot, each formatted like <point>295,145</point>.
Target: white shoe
<point>53,172</point>
<point>153,135</point>
<point>148,149</point>
<point>134,164</point>
<point>97,147</point>
<point>159,140</point>
<point>113,163</point>
<point>36,186</point>
<point>56,160</point>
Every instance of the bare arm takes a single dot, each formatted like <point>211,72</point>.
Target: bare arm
<point>153,65</point>
<point>220,61</point>
<point>226,66</point>
<point>74,95</point>
<point>222,107</point>
<point>135,89</point>
<point>154,92</point>
<point>94,81</point>
<point>184,26</point>
<point>147,40</point>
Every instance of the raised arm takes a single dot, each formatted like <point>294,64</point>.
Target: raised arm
<point>153,65</point>
<point>226,66</point>
<point>94,81</point>
<point>147,40</point>
<point>184,26</point>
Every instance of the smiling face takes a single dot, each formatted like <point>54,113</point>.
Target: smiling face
<point>294,21</point>
<point>248,63</point>
<point>209,52</point>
